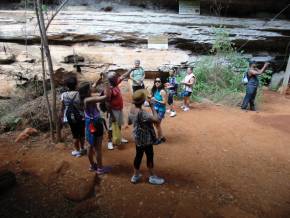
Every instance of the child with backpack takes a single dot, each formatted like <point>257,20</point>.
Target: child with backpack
<point>72,113</point>
<point>144,136</point>
<point>94,125</point>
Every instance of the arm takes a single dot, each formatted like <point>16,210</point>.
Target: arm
<point>96,99</point>
<point>258,72</point>
<point>125,75</point>
<point>154,118</point>
<point>164,97</point>
<point>190,83</point>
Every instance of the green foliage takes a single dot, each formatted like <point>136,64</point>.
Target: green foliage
<point>219,75</point>
<point>265,78</point>
<point>222,44</point>
<point>10,122</point>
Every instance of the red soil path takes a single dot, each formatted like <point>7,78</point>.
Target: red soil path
<point>217,162</point>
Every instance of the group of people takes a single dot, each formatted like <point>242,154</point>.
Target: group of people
<point>83,108</point>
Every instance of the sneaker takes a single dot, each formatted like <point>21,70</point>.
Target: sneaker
<point>186,109</point>
<point>155,180</point>
<point>76,153</point>
<point>172,114</point>
<point>103,170</point>
<point>163,139</point>
<point>124,140</point>
<point>83,151</point>
<point>168,110</point>
<point>182,106</point>
<point>110,146</point>
<point>136,178</point>
<point>93,167</point>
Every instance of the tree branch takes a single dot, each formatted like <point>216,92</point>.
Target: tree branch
<point>56,12</point>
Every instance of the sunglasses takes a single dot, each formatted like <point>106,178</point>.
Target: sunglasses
<point>157,81</point>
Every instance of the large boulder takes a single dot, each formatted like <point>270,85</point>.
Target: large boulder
<point>73,59</point>
<point>6,58</point>
<point>277,80</point>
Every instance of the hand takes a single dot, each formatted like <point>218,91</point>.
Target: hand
<point>267,64</point>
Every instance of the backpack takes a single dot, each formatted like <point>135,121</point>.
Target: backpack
<point>245,79</point>
<point>144,133</point>
<point>72,113</point>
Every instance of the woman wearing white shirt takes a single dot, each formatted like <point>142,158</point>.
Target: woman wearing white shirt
<point>188,82</point>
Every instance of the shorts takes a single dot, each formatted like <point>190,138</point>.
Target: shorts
<point>161,115</point>
<point>135,88</point>
<point>78,129</point>
<point>98,124</point>
<point>119,117</point>
<point>186,94</point>
<point>170,97</point>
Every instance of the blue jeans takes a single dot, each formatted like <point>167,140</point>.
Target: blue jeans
<point>250,96</point>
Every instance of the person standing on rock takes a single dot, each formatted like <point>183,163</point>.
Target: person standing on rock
<point>188,83</point>
<point>252,85</point>
<point>94,125</point>
<point>115,104</point>
<point>72,113</point>
<point>159,99</point>
<point>137,75</point>
<point>144,136</point>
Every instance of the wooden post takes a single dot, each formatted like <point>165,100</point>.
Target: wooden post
<point>286,78</point>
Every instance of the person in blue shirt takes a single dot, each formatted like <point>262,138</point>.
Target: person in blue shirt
<point>159,97</point>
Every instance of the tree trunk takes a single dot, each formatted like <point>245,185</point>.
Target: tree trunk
<point>46,95</point>
<point>44,40</point>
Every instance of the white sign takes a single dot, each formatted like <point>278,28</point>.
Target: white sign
<point>158,42</point>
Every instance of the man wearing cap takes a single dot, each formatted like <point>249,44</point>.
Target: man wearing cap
<point>144,136</point>
<point>252,85</point>
<point>137,76</point>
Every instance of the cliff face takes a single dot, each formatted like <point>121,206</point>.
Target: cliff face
<point>240,8</point>
<point>244,8</point>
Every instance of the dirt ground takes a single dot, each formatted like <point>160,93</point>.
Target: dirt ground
<point>217,162</point>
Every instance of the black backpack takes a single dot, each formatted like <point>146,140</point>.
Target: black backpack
<point>72,113</point>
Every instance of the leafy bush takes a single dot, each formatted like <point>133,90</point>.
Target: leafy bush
<point>219,75</point>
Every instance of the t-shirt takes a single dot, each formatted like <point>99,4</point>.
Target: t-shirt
<point>66,98</point>
<point>187,79</point>
<point>137,75</point>
<point>172,82</point>
<point>145,117</point>
<point>116,98</point>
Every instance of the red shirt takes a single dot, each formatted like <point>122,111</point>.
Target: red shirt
<point>116,98</point>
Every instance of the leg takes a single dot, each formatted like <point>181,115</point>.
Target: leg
<point>110,135</point>
<point>149,155</point>
<point>137,162</point>
<point>247,97</point>
<point>98,147</point>
<point>252,100</point>
<point>159,130</point>
<point>91,155</point>
<point>138,159</point>
<point>77,144</point>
